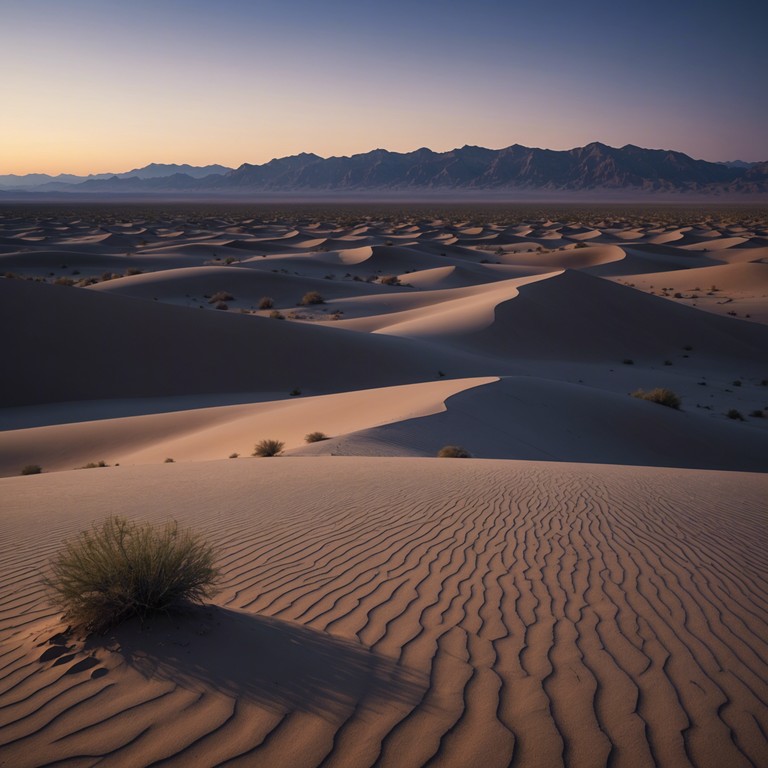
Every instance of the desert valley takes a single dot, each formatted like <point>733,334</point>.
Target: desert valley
<point>587,588</point>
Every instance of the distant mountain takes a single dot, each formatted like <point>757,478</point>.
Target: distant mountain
<point>152,171</point>
<point>163,170</point>
<point>736,164</point>
<point>595,167</point>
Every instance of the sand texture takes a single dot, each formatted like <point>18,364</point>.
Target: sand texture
<point>589,589</point>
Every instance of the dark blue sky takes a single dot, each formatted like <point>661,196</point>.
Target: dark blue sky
<point>96,85</point>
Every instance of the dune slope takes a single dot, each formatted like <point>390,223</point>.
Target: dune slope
<point>459,612</point>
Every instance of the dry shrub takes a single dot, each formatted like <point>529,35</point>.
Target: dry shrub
<point>120,569</point>
<point>660,395</point>
<point>312,297</point>
<point>266,302</point>
<point>268,448</point>
<point>453,452</point>
<point>315,437</point>
<point>31,469</point>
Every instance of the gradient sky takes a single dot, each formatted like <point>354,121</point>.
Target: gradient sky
<point>105,86</point>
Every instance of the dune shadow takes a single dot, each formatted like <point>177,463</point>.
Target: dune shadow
<point>277,664</point>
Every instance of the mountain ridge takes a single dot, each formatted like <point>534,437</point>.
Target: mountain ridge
<point>593,167</point>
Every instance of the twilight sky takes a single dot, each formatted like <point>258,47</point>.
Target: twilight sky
<point>107,85</point>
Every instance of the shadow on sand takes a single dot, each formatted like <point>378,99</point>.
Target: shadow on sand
<point>274,663</point>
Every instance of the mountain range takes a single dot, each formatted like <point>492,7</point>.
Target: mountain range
<point>593,167</point>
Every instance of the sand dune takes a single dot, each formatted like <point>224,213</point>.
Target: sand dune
<point>589,590</point>
<point>115,346</point>
<point>447,611</point>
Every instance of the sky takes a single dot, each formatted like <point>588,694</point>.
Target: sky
<point>96,86</point>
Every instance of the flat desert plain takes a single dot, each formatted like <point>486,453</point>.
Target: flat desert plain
<point>588,589</point>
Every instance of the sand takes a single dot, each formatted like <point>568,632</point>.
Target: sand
<point>588,590</point>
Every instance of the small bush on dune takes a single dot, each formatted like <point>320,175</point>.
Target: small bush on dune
<point>389,280</point>
<point>120,569</point>
<point>660,395</point>
<point>735,414</point>
<point>315,437</point>
<point>268,448</point>
<point>453,452</point>
<point>266,302</point>
<point>276,315</point>
<point>312,297</point>
<point>95,464</point>
<point>220,296</point>
<point>32,469</point>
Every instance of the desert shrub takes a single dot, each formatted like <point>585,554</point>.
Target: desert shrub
<point>222,305</point>
<point>169,460</point>
<point>734,414</point>
<point>581,244</point>
<point>389,280</point>
<point>31,469</point>
<point>315,437</point>
<point>234,455</point>
<point>64,281</point>
<point>660,395</point>
<point>95,464</point>
<point>230,260</point>
<point>266,302</point>
<point>132,271</point>
<point>220,296</point>
<point>757,414</point>
<point>453,452</point>
<point>628,361</point>
<point>667,362</point>
<point>268,448</point>
<point>295,392</point>
<point>276,315</point>
<point>121,569</point>
<point>737,383</point>
<point>311,297</point>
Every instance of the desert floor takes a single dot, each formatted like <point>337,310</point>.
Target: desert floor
<point>590,589</point>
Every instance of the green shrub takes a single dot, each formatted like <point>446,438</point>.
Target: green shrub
<point>268,448</point>
<point>312,297</point>
<point>31,469</point>
<point>121,569</point>
<point>315,437</point>
<point>453,452</point>
<point>660,395</point>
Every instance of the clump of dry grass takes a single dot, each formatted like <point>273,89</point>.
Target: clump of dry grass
<point>120,569</point>
<point>31,469</point>
<point>660,395</point>
<point>268,448</point>
<point>453,452</point>
<point>312,297</point>
<point>315,437</point>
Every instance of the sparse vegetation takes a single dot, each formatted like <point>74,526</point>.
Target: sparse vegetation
<point>311,297</point>
<point>628,361</point>
<point>660,395</point>
<point>389,280</point>
<point>453,452</point>
<point>295,392</point>
<point>315,437</point>
<point>735,415</point>
<point>169,460</point>
<point>95,464</point>
<point>120,569</point>
<point>268,448</point>
<point>220,296</point>
<point>266,302</point>
<point>31,469</point>
<point>276,315</point>
<point>234,455</point>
